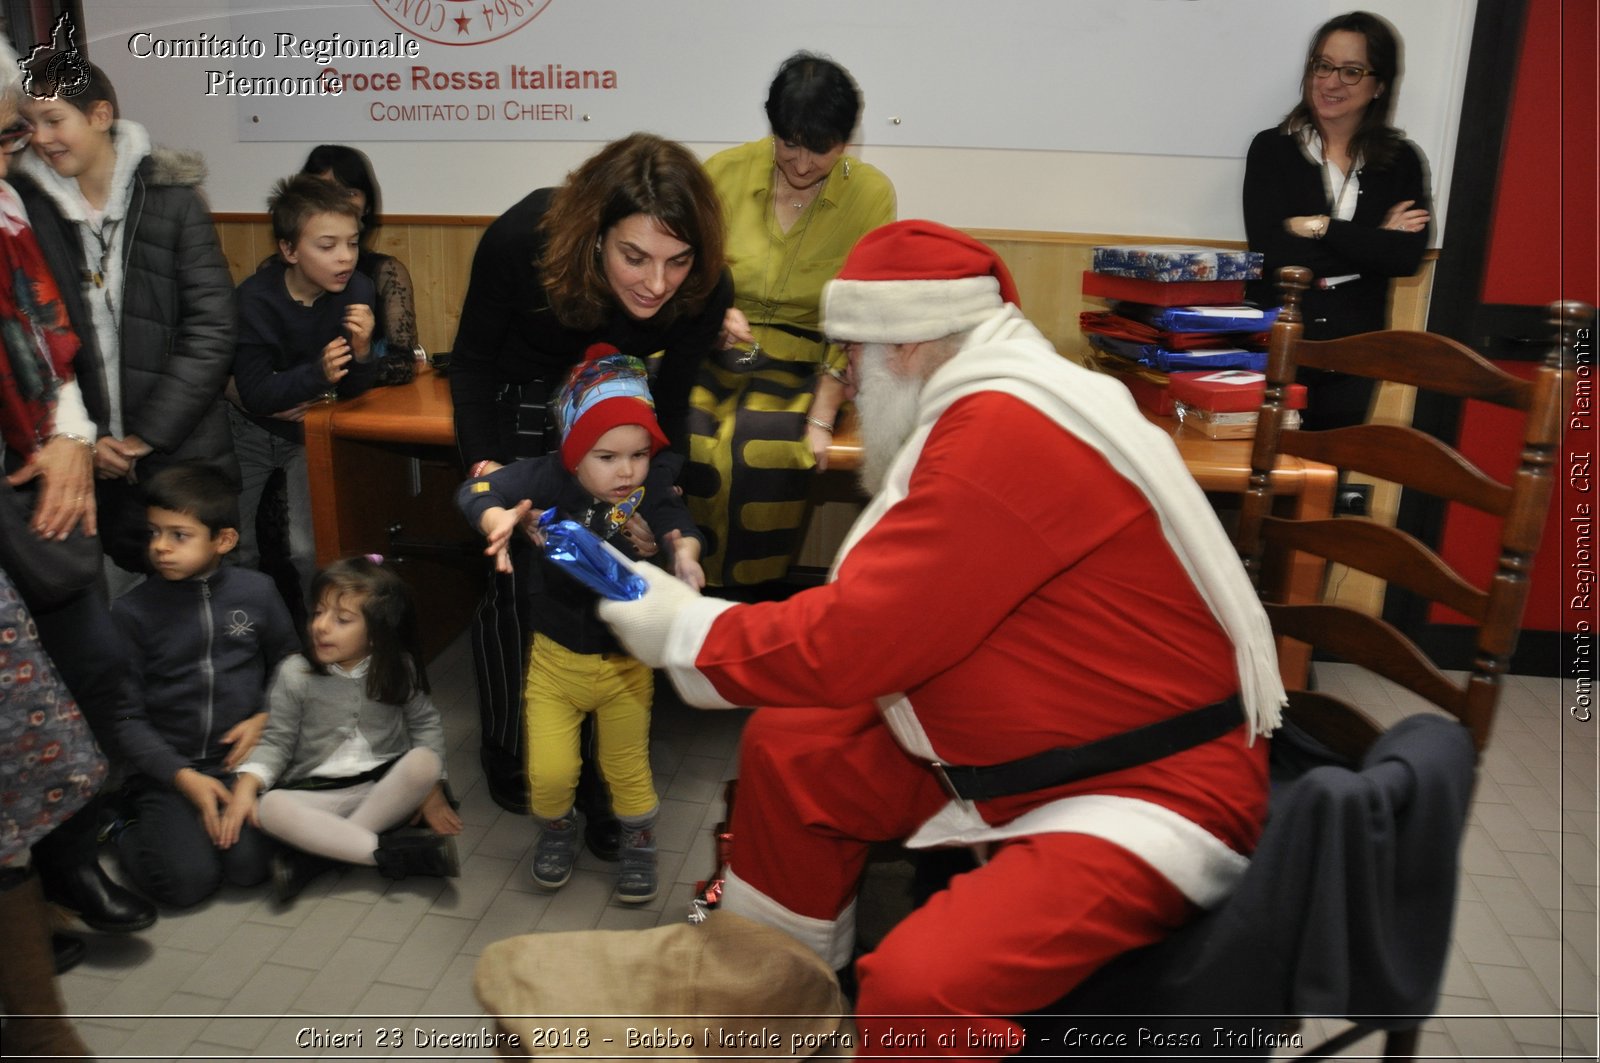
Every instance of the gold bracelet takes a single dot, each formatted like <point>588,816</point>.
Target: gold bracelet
<point>824,425</point>
<point>77,439</point>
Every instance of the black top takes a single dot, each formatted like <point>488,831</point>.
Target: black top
<point>510,336</point>
<point>563,608</point>
<point>278,363</point>
<point>1280,182</point>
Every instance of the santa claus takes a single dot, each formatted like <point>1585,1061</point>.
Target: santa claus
<point>1036,642</point>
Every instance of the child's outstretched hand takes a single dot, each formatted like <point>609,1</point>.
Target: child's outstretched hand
<point>437,813</point>
<point>358,322</point>
<point>336,359</point>
<point>686,559</point>
<point>242,737</point>
<point>497,524</point>
<point>209,797</point>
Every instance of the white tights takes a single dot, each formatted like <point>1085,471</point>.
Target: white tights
<point>344,824</point>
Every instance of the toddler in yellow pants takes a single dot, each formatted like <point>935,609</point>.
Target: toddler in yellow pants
<point>611,446</point>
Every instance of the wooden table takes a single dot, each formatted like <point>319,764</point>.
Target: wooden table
<point>384,472</point>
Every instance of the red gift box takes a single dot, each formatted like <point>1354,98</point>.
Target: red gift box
<point>1229,391</point>
<point>1163,293</point>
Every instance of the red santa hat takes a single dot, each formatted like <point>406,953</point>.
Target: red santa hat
<point>604,391</point>
<point>914,280</point>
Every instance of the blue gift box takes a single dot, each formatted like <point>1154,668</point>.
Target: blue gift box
<point>1155,356</point>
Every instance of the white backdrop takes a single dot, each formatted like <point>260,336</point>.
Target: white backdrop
<point>1124,116</point>
<point>1165,77</point>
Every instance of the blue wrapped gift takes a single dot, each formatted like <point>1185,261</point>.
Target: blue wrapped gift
<point>1217,318</point>
<point>1159,358</point>
<point>581,554</point>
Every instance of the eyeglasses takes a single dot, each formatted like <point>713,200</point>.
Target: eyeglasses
<point>15,137</point>
<point>1350,75</point>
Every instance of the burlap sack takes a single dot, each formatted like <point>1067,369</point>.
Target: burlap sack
<point>728,987</point>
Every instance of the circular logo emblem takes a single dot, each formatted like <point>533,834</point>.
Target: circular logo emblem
<point>461,22</point>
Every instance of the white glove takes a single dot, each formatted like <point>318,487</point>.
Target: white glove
<point>642,625</point>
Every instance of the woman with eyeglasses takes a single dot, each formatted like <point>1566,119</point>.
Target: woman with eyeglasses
<point>1337,189</point>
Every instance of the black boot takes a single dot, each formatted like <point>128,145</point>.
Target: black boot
<point>416,851</point>
<point>76,881</point>
<point>293,871</point>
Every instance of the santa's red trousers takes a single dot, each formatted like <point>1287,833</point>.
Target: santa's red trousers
<point>818,787</point>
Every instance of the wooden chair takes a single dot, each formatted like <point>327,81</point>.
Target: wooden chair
<point>1417,462</point>
<point>1345,910</point>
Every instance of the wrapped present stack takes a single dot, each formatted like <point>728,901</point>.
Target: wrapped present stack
<point>1226,403</point>
<point>1172,308</point>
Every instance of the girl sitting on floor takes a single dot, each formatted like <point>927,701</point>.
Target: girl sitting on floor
<point>354,747</point>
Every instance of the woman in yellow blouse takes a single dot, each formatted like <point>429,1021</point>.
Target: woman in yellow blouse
<point>764,408</point>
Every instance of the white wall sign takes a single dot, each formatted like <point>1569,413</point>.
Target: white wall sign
<point>1169,77</point>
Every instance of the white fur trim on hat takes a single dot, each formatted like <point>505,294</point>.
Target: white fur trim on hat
<point>907,311</point>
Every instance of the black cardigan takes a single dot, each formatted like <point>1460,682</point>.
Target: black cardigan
<point>510,336</point>
<point>1281,182</point>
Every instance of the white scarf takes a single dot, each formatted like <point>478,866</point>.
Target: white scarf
<point>1007,354</point>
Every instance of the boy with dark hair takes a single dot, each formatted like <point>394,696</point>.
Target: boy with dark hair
<point>207,638</point>
<point>305,333</point>
<point>151,305</point>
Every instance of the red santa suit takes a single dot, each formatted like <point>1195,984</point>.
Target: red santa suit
<point>1039,571</point>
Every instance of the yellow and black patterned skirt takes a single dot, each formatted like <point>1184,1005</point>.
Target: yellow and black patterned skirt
<point>749,472</point>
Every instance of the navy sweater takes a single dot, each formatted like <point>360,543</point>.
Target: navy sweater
<point>205,650</point>
<point>278,361</point>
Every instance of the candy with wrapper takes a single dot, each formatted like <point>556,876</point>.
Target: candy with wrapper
<point>581,554</point>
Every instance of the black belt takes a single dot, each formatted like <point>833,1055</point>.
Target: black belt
<point>339,782</point>
<point>1057,767</point>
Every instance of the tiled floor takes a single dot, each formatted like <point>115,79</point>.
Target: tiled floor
<point>238,977</point>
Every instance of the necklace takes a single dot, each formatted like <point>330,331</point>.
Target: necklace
<point>774,298</point>
<point>798,198</point>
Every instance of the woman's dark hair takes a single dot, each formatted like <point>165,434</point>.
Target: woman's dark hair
<point>396,672</point>
<point>1375,140</point>
<point>813,102</point>
<point>352,169</point>
<point>639,174</point>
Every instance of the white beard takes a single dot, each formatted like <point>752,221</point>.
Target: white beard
<point>887,406</point>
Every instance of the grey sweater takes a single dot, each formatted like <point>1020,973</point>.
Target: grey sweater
<point>310,716</point>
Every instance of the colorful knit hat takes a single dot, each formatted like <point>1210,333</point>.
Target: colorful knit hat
<point>914,280</point>
<point>605,390</point>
